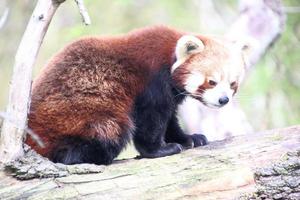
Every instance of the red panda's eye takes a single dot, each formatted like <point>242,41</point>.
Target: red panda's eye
<point>212,83</point>
<point>233,84</point>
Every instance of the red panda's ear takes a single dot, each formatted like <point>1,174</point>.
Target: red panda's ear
<point>247,46</point>
<point>187,45</point>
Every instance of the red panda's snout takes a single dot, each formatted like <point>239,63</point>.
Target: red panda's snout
<point>218,96</point>
<point>208,70</point>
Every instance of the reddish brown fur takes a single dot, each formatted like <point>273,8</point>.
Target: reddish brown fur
<point>88,88</point>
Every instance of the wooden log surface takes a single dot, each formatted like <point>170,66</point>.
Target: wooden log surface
<point>221,170</point>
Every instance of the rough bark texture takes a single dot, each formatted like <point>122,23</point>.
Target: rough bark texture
<point>221,170</point>
<point>281,180</point>
<point>33,165</point>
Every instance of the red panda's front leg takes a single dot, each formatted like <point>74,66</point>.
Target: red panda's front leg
<point>153,110</point>
<point>151,120</point>
<point>149,137</point>
<point>175,134</point>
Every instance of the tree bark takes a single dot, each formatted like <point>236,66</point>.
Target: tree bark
<point>12,133</point>
<point>221,170</point>
<point>281,180</point>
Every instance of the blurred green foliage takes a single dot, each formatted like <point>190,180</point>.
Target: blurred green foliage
<point>270,95</point>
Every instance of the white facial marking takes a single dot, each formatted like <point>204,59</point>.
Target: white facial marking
<point>211,96</point>
<point>177,64</point>
<point>193,82</point>
<point>216,77</point>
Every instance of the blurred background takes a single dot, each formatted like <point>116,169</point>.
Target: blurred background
<point>270,95</point>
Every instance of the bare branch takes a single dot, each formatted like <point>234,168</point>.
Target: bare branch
<point>12,133</point>
<point>3,18</point>
<point>30,132</point>
<point>84,14</point>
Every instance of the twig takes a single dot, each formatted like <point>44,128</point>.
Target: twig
<point>30,132</point>
<point>4,17</point>
<point>84,14</point>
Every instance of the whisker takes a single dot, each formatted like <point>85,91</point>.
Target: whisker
<point>181,93</point>
<point>198,95</point>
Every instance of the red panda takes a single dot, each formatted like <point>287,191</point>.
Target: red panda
<point>99,92</point>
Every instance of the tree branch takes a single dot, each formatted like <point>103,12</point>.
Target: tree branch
<point>84,14</point>
<point>12,134</point>
<point>30,132</point>
<point>3,18</point>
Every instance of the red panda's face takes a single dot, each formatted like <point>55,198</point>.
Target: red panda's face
<point>208,70</point>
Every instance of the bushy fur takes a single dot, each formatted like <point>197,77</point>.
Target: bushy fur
<point>97,93</point>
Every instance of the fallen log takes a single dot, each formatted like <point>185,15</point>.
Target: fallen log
<point>221,170</point>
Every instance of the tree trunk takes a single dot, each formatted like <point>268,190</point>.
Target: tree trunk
<point>12,133</point>
<point>221,170</point>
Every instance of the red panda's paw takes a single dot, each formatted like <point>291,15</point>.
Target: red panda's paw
<point>188,143</point>
<point>166,150</point>
<point>199,140</point>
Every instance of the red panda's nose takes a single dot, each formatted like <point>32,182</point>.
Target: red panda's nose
<point>223,100</point>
